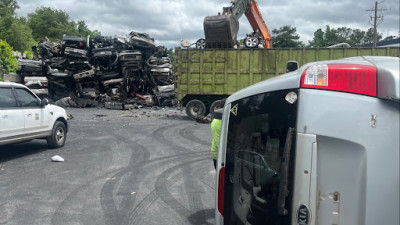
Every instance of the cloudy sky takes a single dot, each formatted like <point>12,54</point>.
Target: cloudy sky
<point>169,21</point>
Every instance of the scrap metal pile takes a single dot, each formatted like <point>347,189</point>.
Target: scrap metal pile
<point>119,72</point>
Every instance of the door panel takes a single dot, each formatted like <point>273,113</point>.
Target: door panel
<point>35,117</point>
<point>11,116</point>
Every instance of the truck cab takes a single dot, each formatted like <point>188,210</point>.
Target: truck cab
<point>319,145</point>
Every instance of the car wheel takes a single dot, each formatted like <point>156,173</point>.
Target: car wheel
<point>201,43</point>
<point>194,108</point>
<point>251,42</point>
<point>58,135</point>
<point>213,107</point>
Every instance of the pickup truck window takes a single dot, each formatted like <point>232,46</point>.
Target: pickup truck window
<point>26,98</point>
<point>7,99</point>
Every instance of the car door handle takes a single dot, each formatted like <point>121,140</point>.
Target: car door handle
<point>5,116</point>
<point>30,114</point>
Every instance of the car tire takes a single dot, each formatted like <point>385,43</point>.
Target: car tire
<point>194,108</point>
<point>251,42</point>
<point>212,108</point>
<point>58,135</point>
<point>201,43</point>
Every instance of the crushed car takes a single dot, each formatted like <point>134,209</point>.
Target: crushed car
<point>124,70</point>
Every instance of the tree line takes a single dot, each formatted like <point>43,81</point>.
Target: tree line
<point>287,37</point>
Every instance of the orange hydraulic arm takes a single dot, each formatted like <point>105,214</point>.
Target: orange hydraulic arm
<point>257,23</point>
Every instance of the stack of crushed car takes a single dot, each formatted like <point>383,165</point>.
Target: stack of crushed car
<point>119,72</point>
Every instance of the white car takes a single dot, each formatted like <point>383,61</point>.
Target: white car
<point>23,117</point>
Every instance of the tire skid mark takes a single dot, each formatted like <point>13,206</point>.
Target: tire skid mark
<point>191,137</point>
<point>59,215</point>
<point>162,189</point>
<point>191,185</point>
<point>160,136</point>
<point>119,215</point>
<point>110,210</point>
<point>136,216</point>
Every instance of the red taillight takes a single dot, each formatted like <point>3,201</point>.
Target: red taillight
<point>44,83</point>
<point>360,79</point>
<point>221,185</point>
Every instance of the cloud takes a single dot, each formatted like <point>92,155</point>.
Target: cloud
<point>170,21</point>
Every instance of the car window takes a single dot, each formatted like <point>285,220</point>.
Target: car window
<point>257,132</point>
<point>26,98</point>
<point>7,99</point>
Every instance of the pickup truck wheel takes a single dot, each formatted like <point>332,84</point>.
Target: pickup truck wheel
<point>251,42</point>
<point>58,135</point>
<point>194,108</point>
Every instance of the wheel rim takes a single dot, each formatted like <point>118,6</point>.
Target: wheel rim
<point>195,109</point>
<point>60,135</point>
<point>251,42</point>
<point>200,44</point>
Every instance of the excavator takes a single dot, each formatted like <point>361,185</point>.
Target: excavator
<point>221,30</point>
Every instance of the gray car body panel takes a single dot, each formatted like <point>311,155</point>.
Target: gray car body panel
<point>356,159</point>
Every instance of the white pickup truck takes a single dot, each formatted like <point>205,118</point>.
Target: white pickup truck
<point>23,117</point>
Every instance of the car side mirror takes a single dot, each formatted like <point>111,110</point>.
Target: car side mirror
<point>44,102</point>
<point>291,66</point>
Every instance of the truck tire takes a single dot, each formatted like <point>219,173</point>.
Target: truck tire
<point>212,108</point>
<point>58,135</point>
<point>194,108</point>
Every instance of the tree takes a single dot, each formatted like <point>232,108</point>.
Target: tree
<point>48,22</point>
<point>53,24</point>
<point>8,7</point>
<point>342,35</point>
<point>84,31</point>
<point>7,59</point>
<point>12,29</point>
<point>20,36</point>
<point>171,55</point>
<point>286,37</point>
<point>391,37</point>
<point>318,40</point>
<point>369,36</point>
<point>356,38</point>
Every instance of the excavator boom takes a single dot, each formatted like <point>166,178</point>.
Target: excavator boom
<point>257,23</point>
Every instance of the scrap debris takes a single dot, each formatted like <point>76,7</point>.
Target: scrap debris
<point>119,73</point>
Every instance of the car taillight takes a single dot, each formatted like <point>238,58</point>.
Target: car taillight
<point>221,185</point>
<point>43,83</point>
<point>360,79</point>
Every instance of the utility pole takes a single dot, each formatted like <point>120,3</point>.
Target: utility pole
<point>376,17</point>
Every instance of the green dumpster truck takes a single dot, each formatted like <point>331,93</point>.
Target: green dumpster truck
<point>202,77</point>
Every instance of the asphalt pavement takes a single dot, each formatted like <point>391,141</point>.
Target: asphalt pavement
<point>143,166</point>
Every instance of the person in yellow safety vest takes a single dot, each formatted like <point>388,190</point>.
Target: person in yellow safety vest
<point>215,130</point>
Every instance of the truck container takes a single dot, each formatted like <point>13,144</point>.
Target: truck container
<point>205,76</point>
